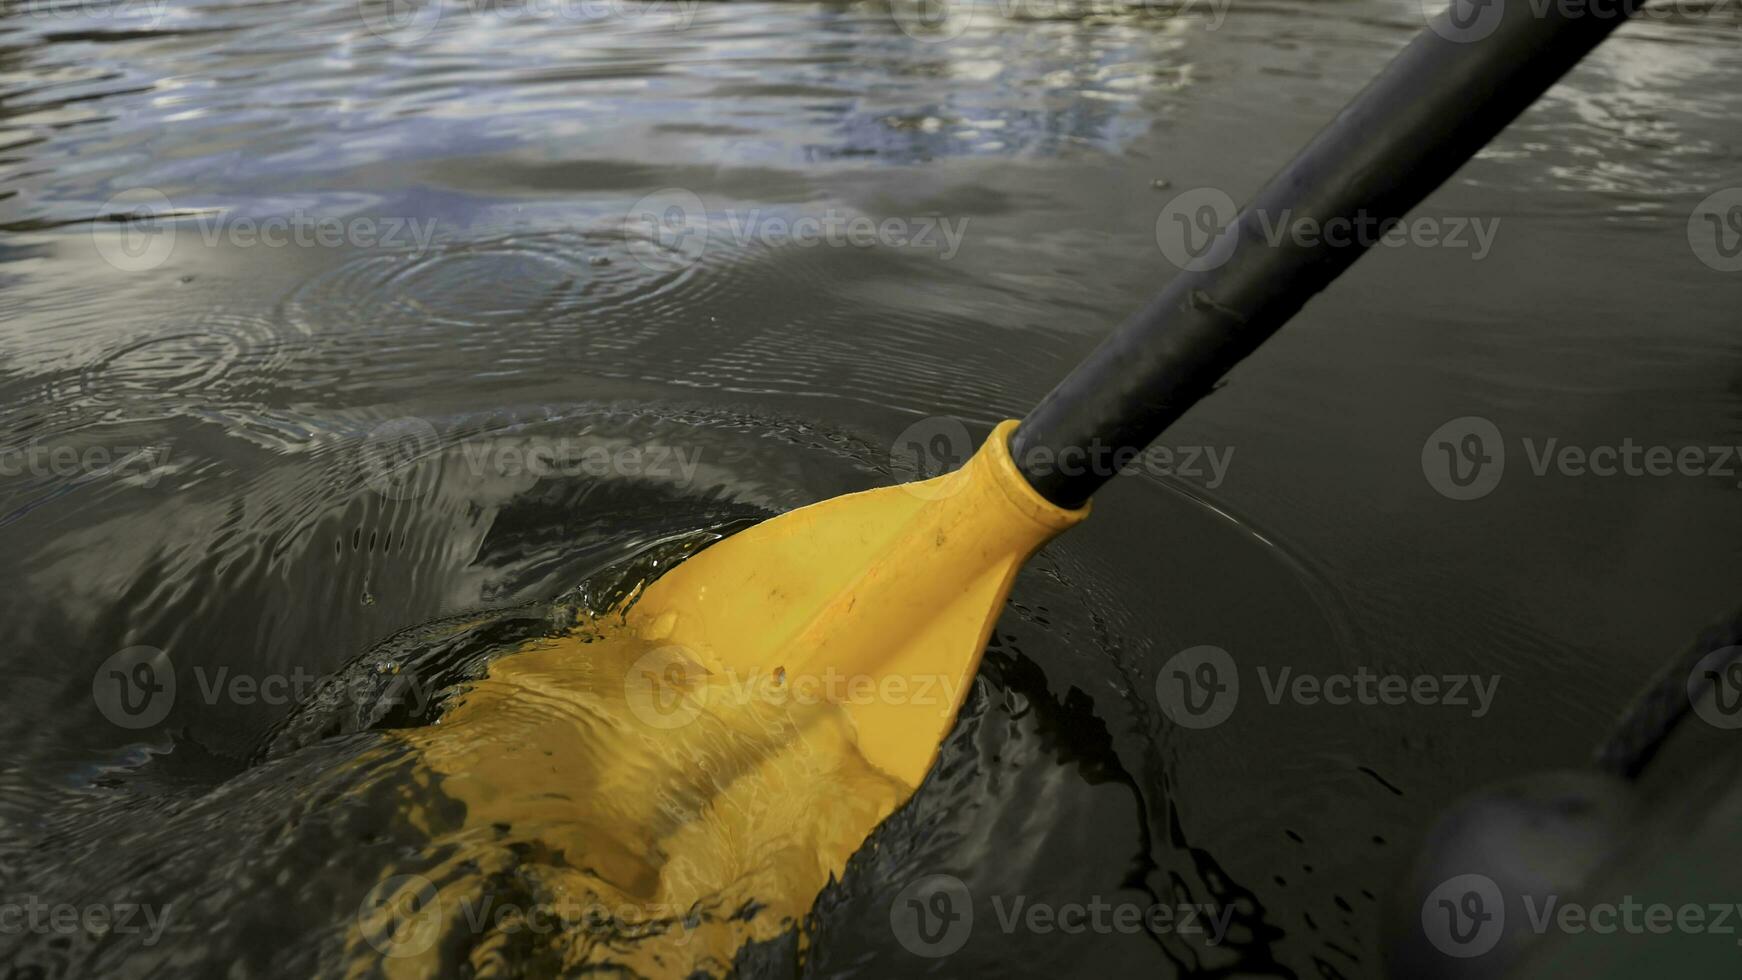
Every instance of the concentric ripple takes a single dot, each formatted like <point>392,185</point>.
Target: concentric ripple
<point>501,281</point>
<point>222,349</point>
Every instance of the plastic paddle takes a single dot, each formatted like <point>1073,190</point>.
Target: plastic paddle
<point>906,582</point>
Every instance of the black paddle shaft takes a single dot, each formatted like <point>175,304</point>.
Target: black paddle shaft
<point>1477,66</point>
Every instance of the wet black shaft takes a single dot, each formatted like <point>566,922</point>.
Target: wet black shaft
<point>1427,113</point>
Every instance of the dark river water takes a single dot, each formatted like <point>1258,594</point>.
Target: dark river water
<point>290,293</point>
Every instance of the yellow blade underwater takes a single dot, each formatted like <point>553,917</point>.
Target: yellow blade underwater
<point>730,743</point>
<point>880,602</point>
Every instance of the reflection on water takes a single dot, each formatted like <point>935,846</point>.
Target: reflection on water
<point>283,465</point>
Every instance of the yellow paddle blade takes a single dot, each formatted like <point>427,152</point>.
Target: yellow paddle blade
<point>726,744</point>
<point>878,602</point>
<point>592,836</point>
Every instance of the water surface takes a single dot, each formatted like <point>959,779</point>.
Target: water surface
<point>320,439</point>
